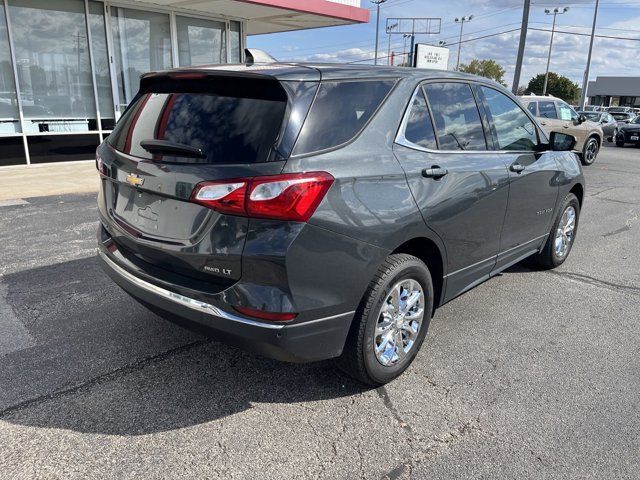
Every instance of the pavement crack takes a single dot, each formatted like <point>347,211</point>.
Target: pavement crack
<point>105,377</point>
<point>578,277</point>
<point>384,395</point>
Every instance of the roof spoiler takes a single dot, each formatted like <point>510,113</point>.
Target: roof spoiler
<point>253,55</point>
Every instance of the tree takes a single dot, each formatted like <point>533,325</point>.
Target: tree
<point>558,86</point>
<point>485,68</point>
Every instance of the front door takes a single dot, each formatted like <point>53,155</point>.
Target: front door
<point>534,177</point>
<point>459,185</point>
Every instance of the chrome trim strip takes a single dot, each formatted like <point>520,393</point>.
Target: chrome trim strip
<point>188,302</point>
<point>497,257</point>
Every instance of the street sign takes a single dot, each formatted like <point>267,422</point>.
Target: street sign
<point>415,26</point>
<point>428,56</point>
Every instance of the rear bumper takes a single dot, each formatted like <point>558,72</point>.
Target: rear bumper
<point>312,340</point>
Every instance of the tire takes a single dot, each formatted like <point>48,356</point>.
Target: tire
<point>359,359</point>
<point>619,144</point>
<point>549,257</point>
<point>613,136</point>
<point>590,151</point>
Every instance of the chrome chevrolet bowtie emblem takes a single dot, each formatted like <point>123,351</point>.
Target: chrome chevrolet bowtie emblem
<point>135,180</point>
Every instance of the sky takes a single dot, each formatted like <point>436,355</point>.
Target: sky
<point>611,56</point>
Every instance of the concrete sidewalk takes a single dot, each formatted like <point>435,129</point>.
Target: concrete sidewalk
<point>50,179</point>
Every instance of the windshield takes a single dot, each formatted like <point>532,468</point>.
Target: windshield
<point>636,121</point>
<point>621,116</point>
<point>595,117</point>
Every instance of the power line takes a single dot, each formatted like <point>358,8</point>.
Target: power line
<point>585,34</point>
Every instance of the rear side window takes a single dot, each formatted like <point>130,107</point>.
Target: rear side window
<point>232,126</point>
<point>340,110</point>
<point>547,110</point>
<point>419,129</point>
<point>532,107</point>
<point>456,116</point>
<point>513,128</point>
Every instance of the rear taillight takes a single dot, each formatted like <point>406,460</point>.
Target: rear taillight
<point>290,196</point>
<point>100,165</point>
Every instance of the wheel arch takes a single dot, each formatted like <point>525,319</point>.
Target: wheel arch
<point>429,252</point>
<point>578,191</point>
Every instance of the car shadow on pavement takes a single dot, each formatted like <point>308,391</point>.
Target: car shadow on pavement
<point>100,363</point>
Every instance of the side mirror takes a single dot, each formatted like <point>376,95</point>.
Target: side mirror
<point>581,119</point>
<point>561,142</point>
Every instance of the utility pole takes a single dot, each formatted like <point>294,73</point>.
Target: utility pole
<point>521,45</point>
<point>405,58</point>
<point>377,4</point>
<point>461,21</point>
<point>555,12</point>
<point>585,82</point>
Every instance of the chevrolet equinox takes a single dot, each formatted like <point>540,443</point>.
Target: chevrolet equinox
<point>308,212</point>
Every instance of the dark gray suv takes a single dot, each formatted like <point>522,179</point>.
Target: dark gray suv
<point>316,211</point>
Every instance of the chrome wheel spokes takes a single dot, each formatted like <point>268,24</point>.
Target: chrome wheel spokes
<point>565,232</point>
<point>399,322</point>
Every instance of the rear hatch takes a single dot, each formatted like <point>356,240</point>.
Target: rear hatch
<point>184,128</point>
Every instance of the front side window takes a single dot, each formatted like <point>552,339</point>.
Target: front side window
<point>547,110</point>
<point>419,129</point>
<point>456,116</point>
<point>532,108</point>
<point>513,128</point>
<point>340,110</point>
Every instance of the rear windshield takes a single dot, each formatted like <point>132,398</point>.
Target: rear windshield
<point>621,116</point>
<point>227,125</point>
<point>340,110</point>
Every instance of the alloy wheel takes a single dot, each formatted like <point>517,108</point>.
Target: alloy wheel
<point>591,151</point>
<point>565,232</point>
<point>399,321</point>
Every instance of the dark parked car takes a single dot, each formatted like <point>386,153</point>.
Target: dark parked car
<point>629,133</point>
<point>309,212</point>
<point>606,121</point>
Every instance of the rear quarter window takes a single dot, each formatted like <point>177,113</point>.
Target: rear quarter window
<point>339,112</point>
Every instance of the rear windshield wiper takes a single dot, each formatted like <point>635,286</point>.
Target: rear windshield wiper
<point>172,148</point>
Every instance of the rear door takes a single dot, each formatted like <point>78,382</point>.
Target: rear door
<point>178,132</point>
<point>460,186</point>
<point>548,116</point>
<point>534,176</point>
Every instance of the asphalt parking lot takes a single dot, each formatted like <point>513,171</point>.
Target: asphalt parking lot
<point>530,375</point>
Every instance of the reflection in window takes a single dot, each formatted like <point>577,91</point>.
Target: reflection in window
<point>9,119</point>
<point>142,43</point>
<point>234,42</point>
<point>419,128</point>
<point>53,67</point>
<point>200,42</point>
<point>547,110</point>
<point>514,129</point>
<point>532,107</point>
<point>456,116</point>
<point>101,63</point>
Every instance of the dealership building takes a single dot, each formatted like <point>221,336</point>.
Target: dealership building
<point>68,68</point>
<point>615,91</point>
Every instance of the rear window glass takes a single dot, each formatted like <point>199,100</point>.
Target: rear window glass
<point>547,110</point>
<point>224,127</point>
<point>340,110</point>
<point>456,116</point>
<point>419,129</point>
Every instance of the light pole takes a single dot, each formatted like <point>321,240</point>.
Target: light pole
<point>585,82</point>
<point>377,4</point>
<point>461,21</point>
<point>405,59</point>
<point>555,12</point>
<point>389,28</point>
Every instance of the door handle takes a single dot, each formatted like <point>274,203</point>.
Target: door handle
<point>543,123</point>
<point>434,172</point>
<point>565,126</point>
<point>516,167</point>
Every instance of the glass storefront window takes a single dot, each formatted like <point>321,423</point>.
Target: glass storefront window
<point>141,43</point>
<point>52,62</point>
<point>101,63</point>
<point>200,42</point>
<point>235,45</point>
<point>9,119</point>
